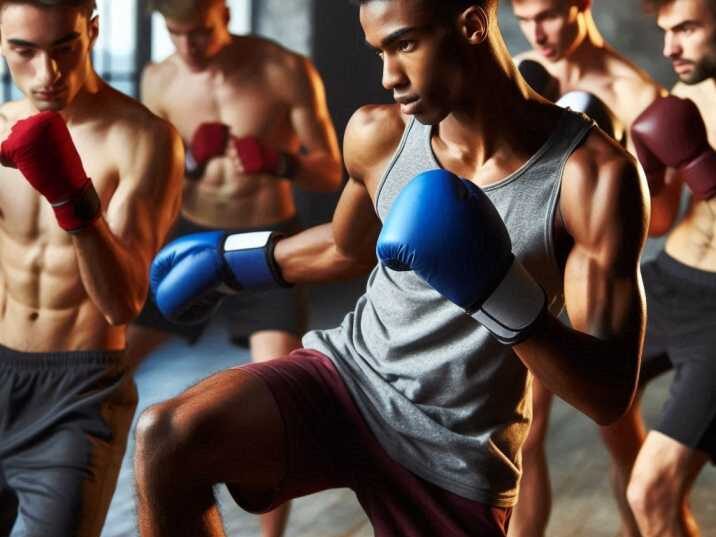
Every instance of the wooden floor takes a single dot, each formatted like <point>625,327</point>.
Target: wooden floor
<point>583,506</point>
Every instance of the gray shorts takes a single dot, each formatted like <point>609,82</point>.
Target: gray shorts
<point>681,335</point>
<point>64,420</point>
<point>247,312</point>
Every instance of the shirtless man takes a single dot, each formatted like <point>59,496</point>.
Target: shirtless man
<point>681,283</point>
<point>567,43</point>
<point>89,186</point>
<point>255,121</point>
<point>419,401</point>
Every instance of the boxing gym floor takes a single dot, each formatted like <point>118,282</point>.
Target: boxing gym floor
<point>582,502</point>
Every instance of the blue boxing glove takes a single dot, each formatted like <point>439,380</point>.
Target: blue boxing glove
<point>192,274</point>
<point>447,230</point>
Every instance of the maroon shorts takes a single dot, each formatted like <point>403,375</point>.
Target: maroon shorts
<point>329,445</point>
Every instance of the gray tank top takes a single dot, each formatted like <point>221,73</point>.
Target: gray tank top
<point>443,397</point>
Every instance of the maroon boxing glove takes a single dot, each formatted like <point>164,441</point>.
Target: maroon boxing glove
<point>42,149</point>
<point>255,157</point>
<point>671,133</point>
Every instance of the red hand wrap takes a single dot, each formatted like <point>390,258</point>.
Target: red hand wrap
<point>259,158</point>
<point>42,149</point>
<point>209,141</point>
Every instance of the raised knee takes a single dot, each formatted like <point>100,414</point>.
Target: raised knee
<point>157,431</point>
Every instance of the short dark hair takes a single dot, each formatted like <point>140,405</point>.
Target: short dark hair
<point>88,6</point>
<point>653,6</point>
<point>442,7</point>
<point>182,10</point>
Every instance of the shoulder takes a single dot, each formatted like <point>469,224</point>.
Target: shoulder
<point>284,68</point>
<point>160,73</point>
<point>156,78</point>
<point>602,187</point>
<point>135,134</point>
<point>270,56</point>
<point>371,137</point>
<point>632,81</point>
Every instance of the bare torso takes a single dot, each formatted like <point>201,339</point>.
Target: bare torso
<point>43,303</point>
<point>626,89</point>
<point>693,240</point>
<point>247,91</point>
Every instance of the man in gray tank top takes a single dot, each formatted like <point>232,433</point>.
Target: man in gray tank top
<point>420,400</point>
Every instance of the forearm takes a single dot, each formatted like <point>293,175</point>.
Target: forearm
<point>317,171</point>
<point>312,256</point>
<point>114,278</point>
<point>665,204</point>
<point>596,375</point>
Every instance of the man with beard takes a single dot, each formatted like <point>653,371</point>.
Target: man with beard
<point>574,57</point>
<point>419,401</point>
<point>672,143</point>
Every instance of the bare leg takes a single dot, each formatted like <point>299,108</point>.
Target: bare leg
<point>662,478</point>
<point>266,345</point>
<point>624,439</point>
<point>531,514</point>
<point>225,429</point>
<point>141,341</point>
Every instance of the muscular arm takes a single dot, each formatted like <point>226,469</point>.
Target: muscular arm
<point>341,249</point>
<point>319,168</point>
<point>665,204</point>
<point>114,253</point>
<point>594,365</point>
<point>346,246</point>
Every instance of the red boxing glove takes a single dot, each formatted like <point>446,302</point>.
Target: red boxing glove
<point>256,157</point>
<point>209,141</point>
<point>42,149</point>
<point>671,133</point>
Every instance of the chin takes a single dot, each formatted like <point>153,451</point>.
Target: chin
<point>429,117</point>
<point>49,106</point>
<point>194,65</point>
<point>694,77</point>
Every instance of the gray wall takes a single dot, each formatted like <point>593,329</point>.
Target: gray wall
<point>286,21</point>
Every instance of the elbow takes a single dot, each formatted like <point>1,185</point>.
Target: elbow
<point>325,177</point>
<point>332,179</point>
<point>658,228</point>
<point>615,405</point>
<point>606,417</point>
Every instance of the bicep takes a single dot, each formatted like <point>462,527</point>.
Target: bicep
<point>147,199</point>
<point>355,224</point>
<point>310,118</point>
<point>607,219</point>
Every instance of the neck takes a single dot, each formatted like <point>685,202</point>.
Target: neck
<point>84,102</point>
<point>587,49</point>
<point>494,104</point>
